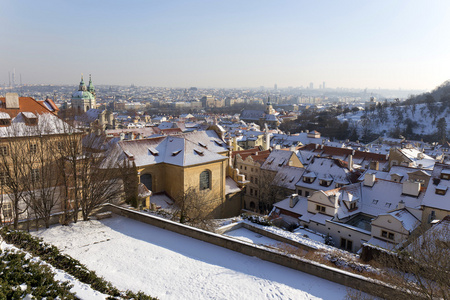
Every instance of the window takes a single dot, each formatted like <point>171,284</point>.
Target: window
<point>306,193</point>
<point>308,179</point>
<point>4,150</point>
<point>256,180</point>
<point>33,148</point>
<point>441,190</point>
<point>34,175</point>
<point>299,192</point>
<point>352,206</point>
<point>256,193</point>
<point>205,180</point>
<point>387,234</point>
<point>320,208</point>
<point>245,168</point>
<point>3,178</point>
<point>252,169</point>
<point>324,182</point>
<point>251,192</point>
<point>7,210</point>
<point>445,176</point>
<point>146,179</point>
<point>59,145</point>
<point>346,244</point>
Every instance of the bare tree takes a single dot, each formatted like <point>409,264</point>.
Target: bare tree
<point>193,208</point>
<point>100,177</point>
<point>43,186</point>
<point>12,173</point>
<point>422,268</point>
<point>69,150</point>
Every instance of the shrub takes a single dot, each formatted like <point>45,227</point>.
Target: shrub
<point>53,256</point>
<point>21,276</point>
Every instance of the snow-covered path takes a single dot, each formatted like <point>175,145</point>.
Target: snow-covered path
<point>137,256</point>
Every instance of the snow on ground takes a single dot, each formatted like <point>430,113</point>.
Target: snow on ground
<point>137,256</point>
<point>249,236</point>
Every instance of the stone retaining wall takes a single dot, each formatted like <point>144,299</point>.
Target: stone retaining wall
<point>358,282</point>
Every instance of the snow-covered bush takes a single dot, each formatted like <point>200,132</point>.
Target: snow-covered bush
<point>257,219</point>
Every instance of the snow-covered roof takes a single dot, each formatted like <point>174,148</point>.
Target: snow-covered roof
<point>418,158</point>
<point>276,160</point>
<point>4,115</point>
<point>407,219</point>
<point>180,150</point>
<point>231,186</point>
<point>431,199</point>
<point>47,124</point>
<point>287,177</point>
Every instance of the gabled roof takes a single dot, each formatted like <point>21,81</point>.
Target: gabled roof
<point>277,159</point>
<point>287,177</point>
<point>431,199</point>
<point>181,150</point>
<point>26,104</point>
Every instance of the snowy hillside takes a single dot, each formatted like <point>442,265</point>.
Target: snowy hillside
<point>414,119</point>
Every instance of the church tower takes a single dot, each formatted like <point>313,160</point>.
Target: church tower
<point>84,99</point>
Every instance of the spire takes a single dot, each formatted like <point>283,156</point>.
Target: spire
<point>91,87</point>
<point>82,86</point>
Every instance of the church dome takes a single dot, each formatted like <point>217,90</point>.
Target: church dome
<point>82,95</point>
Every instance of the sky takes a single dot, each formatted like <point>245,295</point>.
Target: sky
<point>227,44</point>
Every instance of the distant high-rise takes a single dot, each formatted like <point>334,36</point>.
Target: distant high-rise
<point>311,85</point>
<point>323,85</point>
<point>275,87</point>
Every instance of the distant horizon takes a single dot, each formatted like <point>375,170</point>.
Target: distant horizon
<point>230,44</point>
<point>266,88</point>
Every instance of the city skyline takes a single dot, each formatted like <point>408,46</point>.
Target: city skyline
<point>349,44</point>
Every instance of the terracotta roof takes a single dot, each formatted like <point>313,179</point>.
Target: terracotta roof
<point>26,104</point>
<point>246,152</point>
<point>255,153</point>
<point>169,131</point>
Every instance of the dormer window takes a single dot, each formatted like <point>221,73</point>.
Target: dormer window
<point>175,153</point>
<point>30,118</point>
<point>153,151</point>
<point>323,182</point>
<point>308,179</point>
<point>5,119</point>
<point>199,152</point>
<point>441,189</point>
<point>445,174</point>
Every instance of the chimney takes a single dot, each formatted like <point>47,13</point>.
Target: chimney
<point>12,100</point>
<point>350,162</point>
<point>369,179</point>
<point>293,199</point>
<point>401,204</point>
<point>374,165</point>
<point>267,141</point>
<point>411,188</point>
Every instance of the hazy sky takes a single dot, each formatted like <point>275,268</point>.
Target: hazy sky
<point>388,44</point>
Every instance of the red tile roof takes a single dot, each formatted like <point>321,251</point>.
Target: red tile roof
<point>26,104</point>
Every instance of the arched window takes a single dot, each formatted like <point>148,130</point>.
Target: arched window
<point>146,179</point>
<point>205,180</point>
